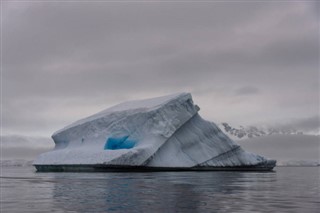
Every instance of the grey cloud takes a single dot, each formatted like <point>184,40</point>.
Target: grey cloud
<point>25,153</point>
<point>24,147</point>
<point>18,141</point>
<point>247,91</point>
<point>305,124</point>
<point>60,30</point>
<point>297,51</point>
<point>63,61</point>
<point>311,123</point>
<point>285,147</point>
<point>315,7</point>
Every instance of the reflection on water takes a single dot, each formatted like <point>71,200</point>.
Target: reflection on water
<point>286,190</point>
<point>137,191</point>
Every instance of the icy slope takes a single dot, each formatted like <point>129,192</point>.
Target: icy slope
<point>202,143</point>
<point>158,132</point>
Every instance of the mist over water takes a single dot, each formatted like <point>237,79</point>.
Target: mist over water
<point>288,189</point>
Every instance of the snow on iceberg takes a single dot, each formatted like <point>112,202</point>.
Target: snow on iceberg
<point>158,133</point>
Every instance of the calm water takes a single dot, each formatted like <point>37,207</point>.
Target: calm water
<point>289,189</point>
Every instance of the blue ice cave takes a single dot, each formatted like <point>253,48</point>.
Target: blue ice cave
<point>119,143</point>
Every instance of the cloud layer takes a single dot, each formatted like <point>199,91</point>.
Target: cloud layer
<point>244,62</point>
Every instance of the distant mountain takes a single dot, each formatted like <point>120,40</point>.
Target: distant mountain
<point>290,147</point>
<point>242,132</point>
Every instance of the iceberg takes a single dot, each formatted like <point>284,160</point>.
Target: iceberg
<point>164,133</point>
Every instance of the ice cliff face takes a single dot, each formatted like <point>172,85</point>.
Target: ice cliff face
<point>158,132</point>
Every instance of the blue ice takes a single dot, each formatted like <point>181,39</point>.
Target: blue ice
<point>119,143</point>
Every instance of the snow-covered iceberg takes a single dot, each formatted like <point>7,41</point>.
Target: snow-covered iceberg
<point>164,133</point>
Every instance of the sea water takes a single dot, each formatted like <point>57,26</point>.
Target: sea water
<point>287,189</point>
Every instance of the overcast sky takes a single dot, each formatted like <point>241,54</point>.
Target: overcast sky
<point>245,62</point>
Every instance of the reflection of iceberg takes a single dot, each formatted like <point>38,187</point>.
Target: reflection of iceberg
<point>139,192</point>
<point>159,133</point>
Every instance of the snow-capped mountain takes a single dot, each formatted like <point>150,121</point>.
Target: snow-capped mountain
<point>243,132</point>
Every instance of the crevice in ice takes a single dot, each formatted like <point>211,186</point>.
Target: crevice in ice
<point>222,155</point>
<point>146,162</point>
<point>179,141</point>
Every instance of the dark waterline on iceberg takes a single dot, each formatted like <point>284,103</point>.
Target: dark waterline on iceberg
<point>263,167</point>
<point>288,189</point>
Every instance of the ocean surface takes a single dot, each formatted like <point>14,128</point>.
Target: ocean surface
<point>287,189</point>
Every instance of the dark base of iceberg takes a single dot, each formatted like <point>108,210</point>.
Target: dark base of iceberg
<point>115,168</point>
